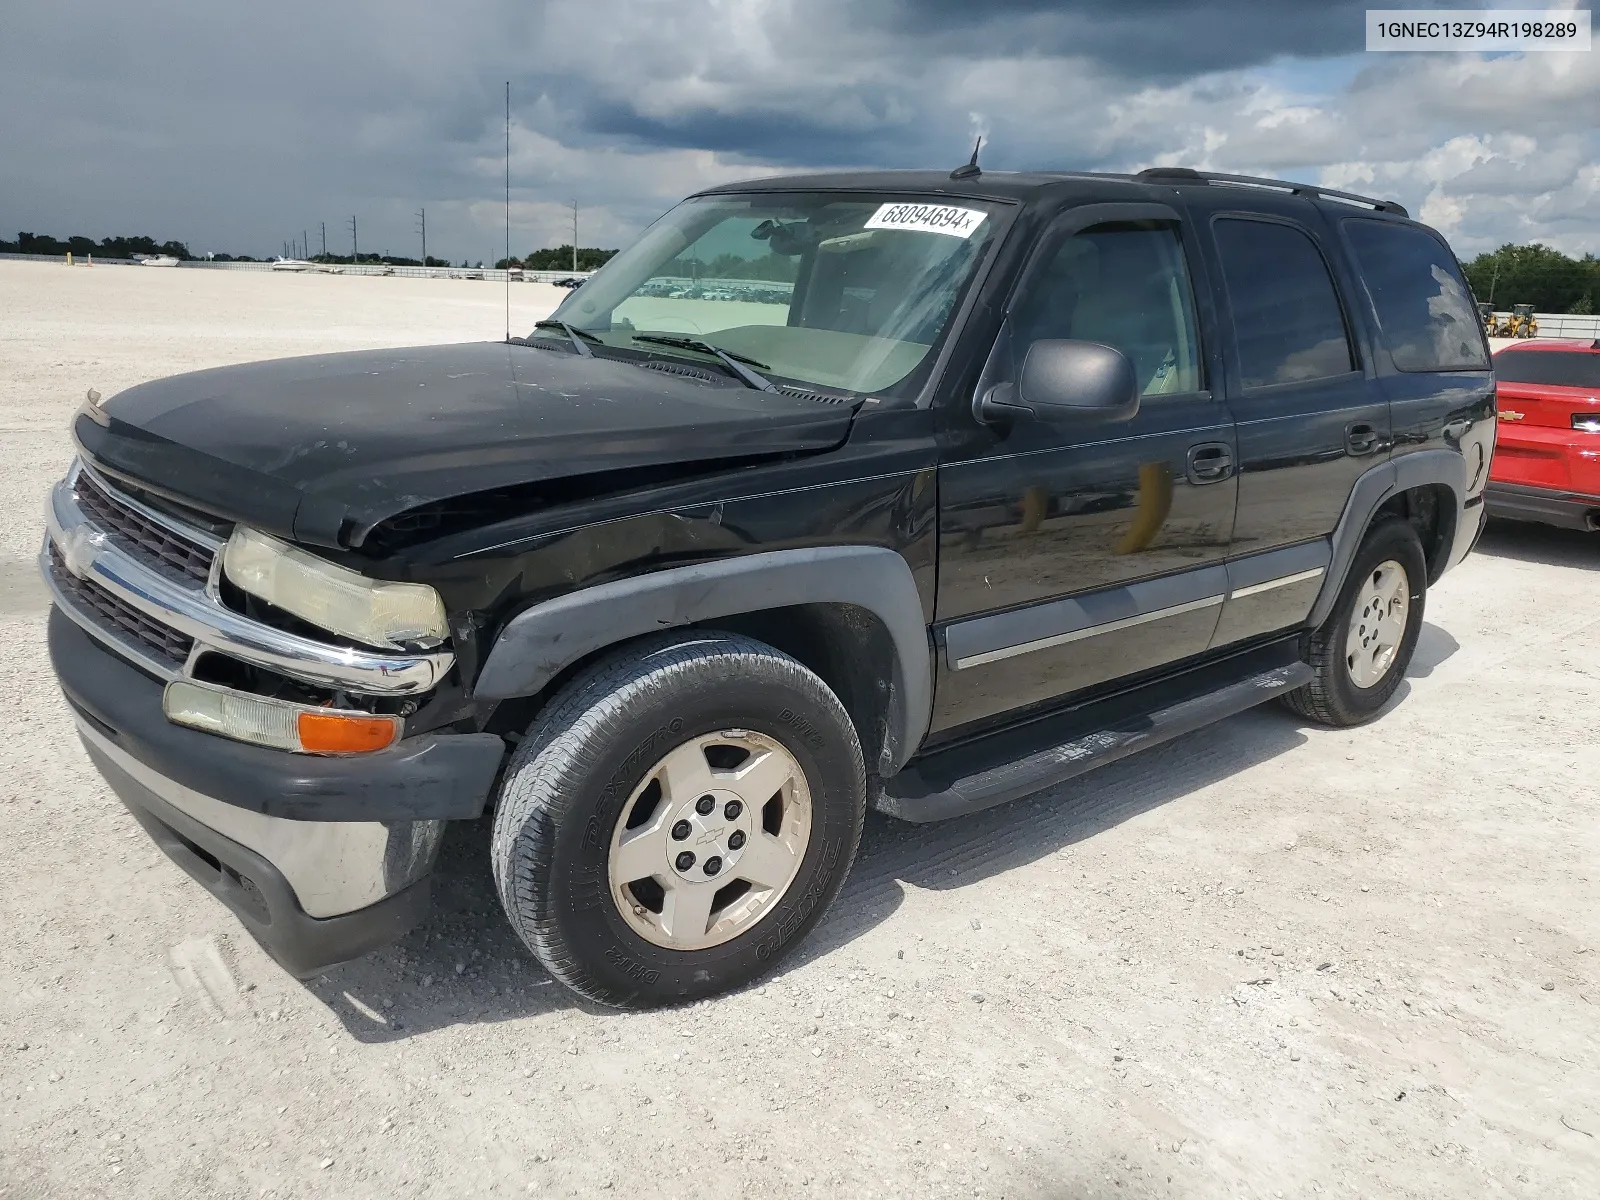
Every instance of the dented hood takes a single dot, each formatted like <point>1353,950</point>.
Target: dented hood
<point>321,449</point>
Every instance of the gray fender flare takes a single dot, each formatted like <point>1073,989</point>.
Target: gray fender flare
<point>539,643</point>
<point>1372,488</point>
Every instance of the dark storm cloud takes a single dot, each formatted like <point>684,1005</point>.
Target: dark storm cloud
<point>1145,39</point>
<point>899,112</point>
<point>237,127</point>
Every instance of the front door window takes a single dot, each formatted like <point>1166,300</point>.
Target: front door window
<point>1124,285</point>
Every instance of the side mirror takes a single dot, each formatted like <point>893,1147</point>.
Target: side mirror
<point>1064,380</point>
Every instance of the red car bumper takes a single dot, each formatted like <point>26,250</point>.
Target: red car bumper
<point>1547,456</point>
<point>1548,475</point>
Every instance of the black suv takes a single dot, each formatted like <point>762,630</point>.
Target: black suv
<point>908,489</point>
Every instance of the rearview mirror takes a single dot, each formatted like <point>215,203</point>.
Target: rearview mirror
<point>1063,380</point>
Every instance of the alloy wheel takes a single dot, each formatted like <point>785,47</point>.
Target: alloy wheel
<point>1378,624</point>
<point>710,840</point>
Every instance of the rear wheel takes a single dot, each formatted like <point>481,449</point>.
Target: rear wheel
<point>1360,653</point>
<point>679,819</point>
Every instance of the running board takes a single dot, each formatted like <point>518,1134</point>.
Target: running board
<point>911,796</point>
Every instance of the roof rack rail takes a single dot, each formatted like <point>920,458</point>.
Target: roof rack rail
<point>1190,175</point>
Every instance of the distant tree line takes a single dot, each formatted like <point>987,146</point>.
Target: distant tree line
<point>769,268</point>
<point>373,260</point>
<point>1536,275</point>
<point>111,247</point>
<point>559,258</point>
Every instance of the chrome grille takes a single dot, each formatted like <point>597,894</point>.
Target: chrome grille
<point>152,542</point>
<point>165,641</point>
<point>141,580</point>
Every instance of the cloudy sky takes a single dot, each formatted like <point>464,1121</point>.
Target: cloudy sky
<point>234,127</point>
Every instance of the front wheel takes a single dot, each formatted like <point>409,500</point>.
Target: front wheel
<point>1360,653</point>
<point>679,819</point>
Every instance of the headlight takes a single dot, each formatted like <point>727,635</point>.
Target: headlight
<point>330,597</point>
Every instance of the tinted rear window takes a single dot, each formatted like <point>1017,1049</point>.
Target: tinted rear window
<point>1553,368</point>
<point>1427,315</point>
<point>1286,314</point>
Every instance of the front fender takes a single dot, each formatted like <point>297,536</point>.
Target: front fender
<point>541,642</point>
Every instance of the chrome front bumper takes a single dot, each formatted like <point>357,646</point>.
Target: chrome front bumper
<point>333,867</point>
<point>175,601</point>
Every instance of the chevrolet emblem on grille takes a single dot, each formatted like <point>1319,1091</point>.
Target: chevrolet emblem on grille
<point>78,546</point>
<point>1507,414</point>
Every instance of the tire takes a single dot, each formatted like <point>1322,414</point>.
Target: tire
<point>1343,693</point>
<point>592,784</point>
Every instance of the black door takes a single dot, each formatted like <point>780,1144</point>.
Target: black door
<point>1073,555</point>
<point>1310,415</point>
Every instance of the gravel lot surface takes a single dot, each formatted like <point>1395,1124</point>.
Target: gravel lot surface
<point>1264,960</point>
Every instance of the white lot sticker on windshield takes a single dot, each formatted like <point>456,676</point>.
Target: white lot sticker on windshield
<point>927,218</point>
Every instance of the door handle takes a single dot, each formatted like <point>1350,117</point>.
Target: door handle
<point>1360,439</point>
<point>1209,462</point>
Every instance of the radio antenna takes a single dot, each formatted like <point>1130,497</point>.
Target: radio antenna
<point>508,210</point>
<point>970,169</point>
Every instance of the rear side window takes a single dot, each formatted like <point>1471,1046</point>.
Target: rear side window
<point>1424,308</point>
<point>1286,313</point>
<point>1552,368</point>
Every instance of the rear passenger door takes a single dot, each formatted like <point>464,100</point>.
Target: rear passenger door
<point>1310,418</point>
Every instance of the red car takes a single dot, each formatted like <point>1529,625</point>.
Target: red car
<point>1547,463</point>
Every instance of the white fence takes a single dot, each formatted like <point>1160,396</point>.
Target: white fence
<point>330,269</point>
<point>1563,325</point>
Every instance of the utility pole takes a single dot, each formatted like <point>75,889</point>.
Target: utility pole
<point>324,239</point>
<point>508,211</point>
<point>1493,279</point>
<point>305,245</point>
<point>355,247</point>
<point>574,237</point>
<point>422,227</point>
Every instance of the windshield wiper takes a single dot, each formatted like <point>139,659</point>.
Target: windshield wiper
<point>734,362</point>
<point>580,337</point>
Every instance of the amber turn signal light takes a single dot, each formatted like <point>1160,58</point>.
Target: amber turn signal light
<point>340,733</point>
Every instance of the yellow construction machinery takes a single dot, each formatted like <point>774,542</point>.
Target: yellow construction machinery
<point>1519,323</point>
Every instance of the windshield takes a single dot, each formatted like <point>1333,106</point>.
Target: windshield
<point>1552,368</point>
<point>843,291</point>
